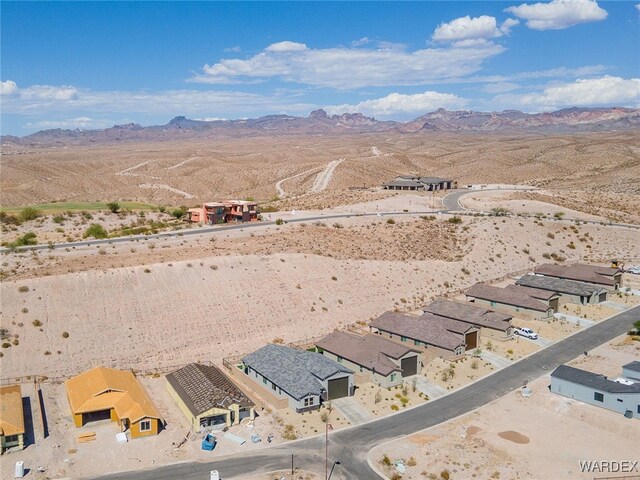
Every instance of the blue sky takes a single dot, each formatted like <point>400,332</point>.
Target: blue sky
<point>94,64</point>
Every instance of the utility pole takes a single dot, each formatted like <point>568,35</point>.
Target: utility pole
<point>327,427</point>
<point>292,464</point>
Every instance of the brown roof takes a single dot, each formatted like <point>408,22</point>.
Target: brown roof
<point>203,387</point>
<point>428,329</point>
<point>370,351</point>
<point>472,314</point>
<point>106,388</point>
<point>580,272</point>
<point>538,293</point>
<point>514,297</point>
<point>11,413</point>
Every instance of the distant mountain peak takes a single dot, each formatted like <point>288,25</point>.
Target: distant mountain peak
<point>320,113</point>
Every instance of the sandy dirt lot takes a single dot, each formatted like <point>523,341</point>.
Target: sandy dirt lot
<point>518,438</point>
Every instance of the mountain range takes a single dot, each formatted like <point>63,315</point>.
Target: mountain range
<point>318,122</point>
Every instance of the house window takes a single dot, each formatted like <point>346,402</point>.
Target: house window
<point>493,304</point>
<point>598,397</point>
<point>340,359</point>
<point>638,408</point>
<point>416,342</point>
<point>619,399</point>
<point>308,402</point>
<point>361,369</point>
<point>403,339</point>
<point>273,386</point>
<point>10,438</point>
<point>264,380</point>
<point>392,377</point>
<point>145,425</point>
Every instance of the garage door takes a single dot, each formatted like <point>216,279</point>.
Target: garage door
<point>471,339</point>
<point>409,366</point>
<point>338,388</point>
<point>603,297</point>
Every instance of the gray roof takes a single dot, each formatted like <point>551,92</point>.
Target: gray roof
<point>633,366</point>
<point>434,180</point>
<point>513,297</point>
<point>369,351</point>
<point>469,313</point>
<point>429,329</point>
<point>203,387</point>
<point>538,293</point>
<point>593,380</point>
<point>297,372</point>
<point>559,285</point>
<point>580,272</point>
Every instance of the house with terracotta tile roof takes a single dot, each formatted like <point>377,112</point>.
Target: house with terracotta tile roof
<point>11,418</point>
<point>491,323</point>
<point>106,393</point>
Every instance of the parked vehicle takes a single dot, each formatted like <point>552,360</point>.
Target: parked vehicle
<point>527,333</point>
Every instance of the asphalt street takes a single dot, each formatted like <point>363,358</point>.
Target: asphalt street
<point>350,446</point>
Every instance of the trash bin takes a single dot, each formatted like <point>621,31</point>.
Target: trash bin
<point>214,475</point>
<point>19,470</point>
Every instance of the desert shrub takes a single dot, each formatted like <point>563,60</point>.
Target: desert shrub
<point>474,364</point>
<point>396,476</point>
<point>445,475</point>
<point>29,213</point>
<point>161,208</point>
<point>466,271</point>
<point>334,278</point>
<point>386,460</point>
<point>337,225</point>
<point>95,230</point>
<point>278,340</point>
<point>58,219</point>
<point>178,213</point>
<point>558,215</point>
<point>6,345</point>
<point>395,407</point>
<point>289,432</point>
<point>510,351</point>
<point>7,219</point>
<point>455,220</point>
<point>279,221</point>
<point>114,207</point>
<point>551,235</point>
<point>23,289</point>
<point>499,211</point>
<point>65,334</point>
<point>28,238</point>
<point>36,323</point>
<point>411,462</point>
<point>391,221</point>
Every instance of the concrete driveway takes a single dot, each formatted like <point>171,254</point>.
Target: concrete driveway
<point>495,360</point>
<point>430,389</point>
<point>583,322</point>
<point>352,410</point>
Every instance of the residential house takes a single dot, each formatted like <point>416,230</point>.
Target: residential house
<point>515,301</point>
<point>214,213</point>
<point>417,182</point>
<point>632,371</point>
<point>570,291</point>
<point>304,378</point>
<point>437,336</point>
<point>207,397</point>
<point>609,278</point>
<point>11,418</point>
<point>106,393</point>
<point>386,362</point>
<point>597,389</point>
<point>550,298</point>
<point>492,324</point>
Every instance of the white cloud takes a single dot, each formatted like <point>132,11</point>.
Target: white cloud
<point>43,99</point>
<point>638,6</point>
<point>558,14</point>
<point>467,28</point>
<point>398,103</point>
<point>8,87</point>
<point>286,46</point>
<point>606,90</point>
<point>234,49</point>
<point>500,87</point>
<point>79,122</point>
<point>349,68</point>
<point>211,119</point>
<point>360,42</point>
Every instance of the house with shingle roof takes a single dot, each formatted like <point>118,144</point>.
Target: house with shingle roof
<point>107,393</point>
<point>570,291</point>
<point>207,397</point>
<point>516,301</point>
<point>491,323</point>
<point>387,362</point>
<point>606,277</point>
<point>632,371</point>
<point>596,389</point>
<point>418,182</point>
<point>437,336</point>
<point>11,418</point>
<point>304,378</point>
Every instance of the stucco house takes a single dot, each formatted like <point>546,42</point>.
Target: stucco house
<point>609,278</point>
<point>491,323</point>
<point>436,336</point>
<point>386,362</point>
<point>207,397</point>
<point>304,378</point>
<point>11,418</point>
<point>227,211</point>
<point>515,301</point>
<point>632,371</point>
<point>106,393</point>
<point>596,389</point>
<point>570,291</point>
<point>417,182</point>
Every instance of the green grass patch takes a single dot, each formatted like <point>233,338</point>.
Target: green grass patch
<point>61,207</point>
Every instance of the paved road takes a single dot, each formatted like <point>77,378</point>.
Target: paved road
<point>351,445</point>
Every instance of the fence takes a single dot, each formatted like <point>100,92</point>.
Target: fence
<point>138,372</point>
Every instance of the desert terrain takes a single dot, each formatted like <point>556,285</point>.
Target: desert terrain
<point>154,303</point>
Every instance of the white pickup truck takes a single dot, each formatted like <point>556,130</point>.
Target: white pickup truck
<point>527,332</point>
